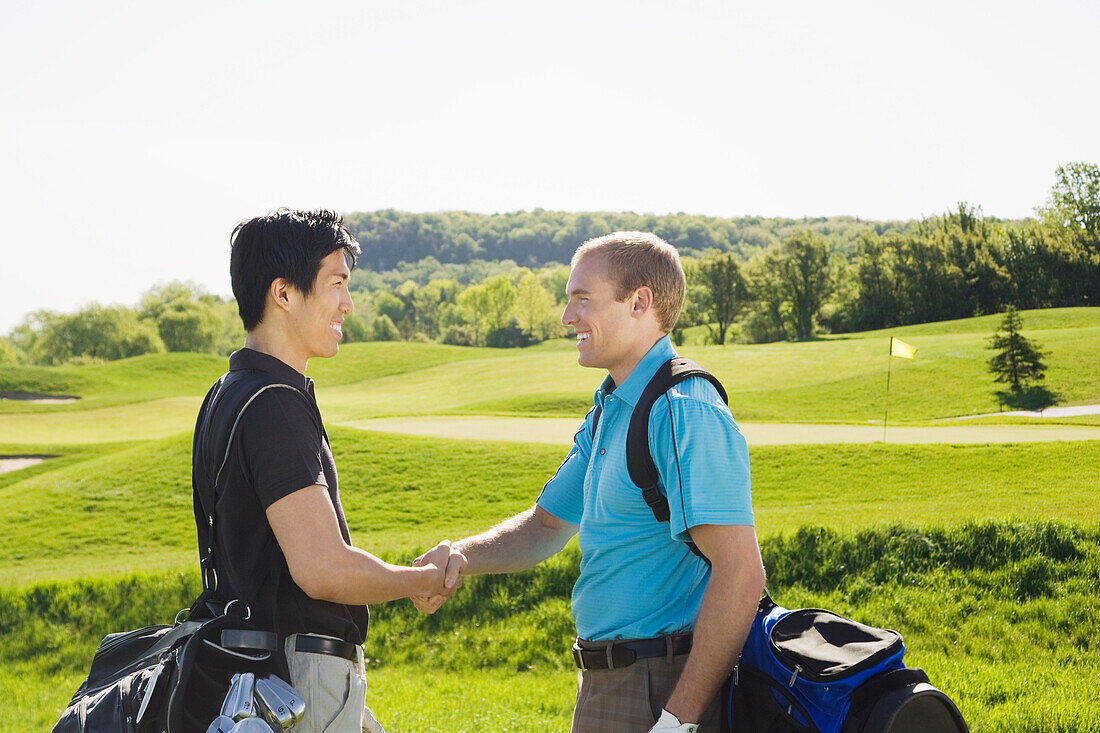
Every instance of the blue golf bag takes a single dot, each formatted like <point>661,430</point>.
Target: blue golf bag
<point>814,671</point>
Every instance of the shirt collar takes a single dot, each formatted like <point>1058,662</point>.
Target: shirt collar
<point>631,388</point>
<point>251,359</point>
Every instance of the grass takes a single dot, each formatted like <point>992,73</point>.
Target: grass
<point>1002,615</point>
<point>131,507</point>
<point>835,379</point>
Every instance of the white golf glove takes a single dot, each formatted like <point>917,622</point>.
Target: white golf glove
<point>669,722</point>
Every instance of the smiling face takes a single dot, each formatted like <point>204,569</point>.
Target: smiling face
<point>316,320</point>
<point>611,334</point>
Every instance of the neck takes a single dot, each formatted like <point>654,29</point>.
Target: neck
<point>626,365</point>
<point>271,342</point>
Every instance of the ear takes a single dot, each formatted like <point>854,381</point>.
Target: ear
<point>643,301</point>
<point>278,292</point>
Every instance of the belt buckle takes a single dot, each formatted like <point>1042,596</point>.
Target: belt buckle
<point>578,657</point>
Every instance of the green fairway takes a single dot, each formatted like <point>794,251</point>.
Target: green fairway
<point>837,379</point>
<point>985,556</point>
<point>114,511</point>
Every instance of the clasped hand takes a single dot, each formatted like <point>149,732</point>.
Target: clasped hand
<point>451,563</point>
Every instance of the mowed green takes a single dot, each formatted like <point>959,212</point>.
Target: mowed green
<point>839,379</point>
<point>110,512</point>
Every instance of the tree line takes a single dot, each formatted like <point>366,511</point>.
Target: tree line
<point>499,280</point>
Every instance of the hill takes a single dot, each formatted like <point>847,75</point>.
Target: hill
<point>833,379</point>
<point>106,511</point>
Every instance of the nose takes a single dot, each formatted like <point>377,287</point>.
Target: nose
<point>567,316</point>
<point>347,305</point>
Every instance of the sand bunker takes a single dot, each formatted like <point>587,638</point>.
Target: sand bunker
<point>14,463</point>
<point>35,398</point>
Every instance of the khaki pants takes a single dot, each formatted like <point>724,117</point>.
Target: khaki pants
<point>334,690</point>
<point>630,699</point>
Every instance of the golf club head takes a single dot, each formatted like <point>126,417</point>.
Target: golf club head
<point>238,703</point>
<point>221,724</point>
<point>279,703</point>
<point>252,725</point>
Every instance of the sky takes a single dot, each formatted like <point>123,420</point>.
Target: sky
<point>135,135</point>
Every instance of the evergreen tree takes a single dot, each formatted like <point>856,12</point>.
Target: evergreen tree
<point>1016,362</point>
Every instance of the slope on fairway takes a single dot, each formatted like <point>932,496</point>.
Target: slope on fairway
<point>159,376</point>
<point>131,509</point>
<point>837,379</point>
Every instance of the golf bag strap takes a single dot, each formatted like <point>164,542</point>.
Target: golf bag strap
<point>874,688</point>
<point>639,461</point>
<point>259,382</point>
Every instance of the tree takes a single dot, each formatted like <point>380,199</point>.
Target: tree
<point>382,329</point>
<point>1016,362</point>
<point>803,270</point>
<point>9,355</point>
<point>770,313</point>
<point>1072,220</point>
<point>535,309</point>
<point>722,294</point>
<point>189,326</point>
<point>389,305</point>
<point>489,305</point>
<point>96,332</point>
<point>427,302</point>
<point>186,316</point>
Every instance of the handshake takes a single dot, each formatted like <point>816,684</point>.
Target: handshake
<point>448,563</point>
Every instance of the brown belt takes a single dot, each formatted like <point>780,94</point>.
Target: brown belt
<point>615,654</point>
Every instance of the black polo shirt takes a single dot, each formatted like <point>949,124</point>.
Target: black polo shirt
<point>280,447</point>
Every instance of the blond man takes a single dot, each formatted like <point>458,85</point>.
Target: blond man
<point>658,627</point>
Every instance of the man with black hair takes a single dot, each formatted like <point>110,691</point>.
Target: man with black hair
<point>276,540</point>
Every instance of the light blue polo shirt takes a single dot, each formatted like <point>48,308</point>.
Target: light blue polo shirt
<point>638,578</point>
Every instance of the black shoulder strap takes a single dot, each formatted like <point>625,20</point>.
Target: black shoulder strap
<point>217,424</point>
<point>639,461</point>
<point>643,472</point>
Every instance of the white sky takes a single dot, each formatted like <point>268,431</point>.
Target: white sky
<point>135,135</point>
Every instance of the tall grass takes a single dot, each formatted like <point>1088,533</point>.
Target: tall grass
<point>1002,615</point>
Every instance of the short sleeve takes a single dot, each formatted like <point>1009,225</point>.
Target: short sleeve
<point>702,459</point>
<point>563,494</point>
<point>281,439</point>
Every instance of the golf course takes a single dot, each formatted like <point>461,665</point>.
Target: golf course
<point>975,534</point>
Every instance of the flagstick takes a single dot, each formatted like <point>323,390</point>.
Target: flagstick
<point>886,409</point>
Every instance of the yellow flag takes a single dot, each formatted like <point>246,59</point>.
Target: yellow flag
<point>902,349</point>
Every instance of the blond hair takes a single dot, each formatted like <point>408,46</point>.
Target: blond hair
<point>635,259</point>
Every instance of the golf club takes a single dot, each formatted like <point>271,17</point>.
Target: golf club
<point>221,724</point>
<point>279,703</point>
<point>239,703</point>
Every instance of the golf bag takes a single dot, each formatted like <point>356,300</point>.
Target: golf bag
<point>169,679</point>
<point>173,679</point>
<point>813,671</point>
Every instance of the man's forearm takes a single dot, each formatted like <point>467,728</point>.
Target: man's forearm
<point>728,608</point>
<point>518,543</point>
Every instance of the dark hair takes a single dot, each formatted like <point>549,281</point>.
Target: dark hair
<point>287,244</point>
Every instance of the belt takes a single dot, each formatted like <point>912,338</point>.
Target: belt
<point>615,654</point>
<point>322,645</point>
